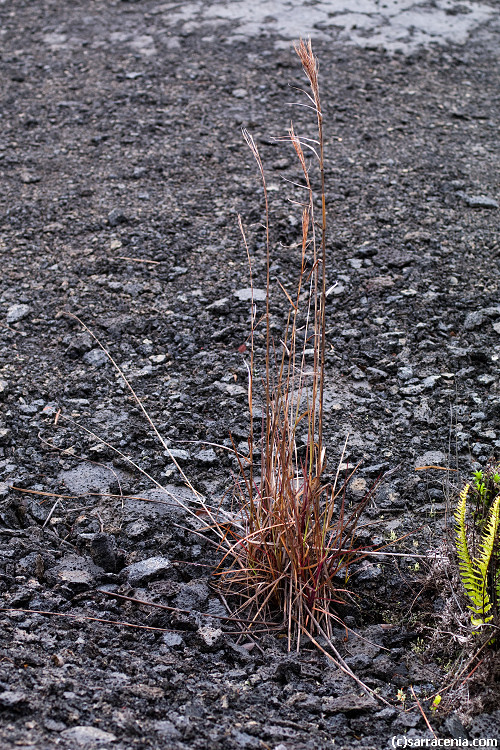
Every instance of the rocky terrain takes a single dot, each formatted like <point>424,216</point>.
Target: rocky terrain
<point>124,171</point>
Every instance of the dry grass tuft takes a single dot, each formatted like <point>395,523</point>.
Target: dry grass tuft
<point>289,555</point>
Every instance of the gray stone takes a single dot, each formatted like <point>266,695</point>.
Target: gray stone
<point>209,637</point>
<point>336,289</point>
<point>455,728</point>
<point>479,201</point>
<point>4,387</point>
<point>220,305</point>
<point>492,312</point>
<point>351,703</point>
<point>116,217</point>
<point>167,730</point>
<point>15,313</point>
<point>401,26</point>
<point>87,477</point>
<point>192,595</point>
<point>244,295</point>
<point>54,726</point>
<point>423,413</point>
<point>375,469</point>
<point>369,574</point>
<point>178,453</point>
<point>485,725</point>
<point>103,551</point>
<point>486,379</point>
<point>167,503</point>
<point>232,389</point>
<point>79,573</point>
<point>239,93</point>
<point>431,458</point>
<point>474,320</point>
<point>95,357</point>
<point>496,327</point>
<point>144,571</point>
<point>413,390</point>
<point>172,640</point>
<point>137,529</point>
<point>12,699</point>
<point>242,739</point>
<point>430,381</point>
<point>88,735</point>
<point>207,456</point>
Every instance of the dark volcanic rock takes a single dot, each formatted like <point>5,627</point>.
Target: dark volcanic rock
<point>144,571</point>
<point>123,175</point>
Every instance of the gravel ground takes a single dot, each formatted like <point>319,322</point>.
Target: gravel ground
<point>123,171</point>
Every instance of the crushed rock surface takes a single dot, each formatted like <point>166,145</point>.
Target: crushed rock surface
<point>124,171</point>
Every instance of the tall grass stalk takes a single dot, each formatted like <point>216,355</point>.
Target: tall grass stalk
<point>292,559</point>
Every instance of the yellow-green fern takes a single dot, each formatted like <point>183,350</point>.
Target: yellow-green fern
<point>474,570</point>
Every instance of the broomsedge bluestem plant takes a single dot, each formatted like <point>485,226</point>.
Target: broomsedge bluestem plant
<point>290,557</point>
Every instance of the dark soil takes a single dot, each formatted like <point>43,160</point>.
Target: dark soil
<point>122,177</point>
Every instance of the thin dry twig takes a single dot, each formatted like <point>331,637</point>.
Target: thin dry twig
<point>431,730</point>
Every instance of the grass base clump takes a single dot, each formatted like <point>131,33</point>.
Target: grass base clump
<point>289,556</point>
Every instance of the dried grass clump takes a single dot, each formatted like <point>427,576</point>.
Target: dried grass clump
<point>289,556</point>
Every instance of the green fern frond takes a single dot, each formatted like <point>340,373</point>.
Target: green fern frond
<point>474,572</point>
<point>461,538</point>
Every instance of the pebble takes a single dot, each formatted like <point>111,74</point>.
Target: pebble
<point>12,698</point>
<point>79,573</point>
<point>103,551</point>
<point>413,390</point>
<point>473,320</point>
<point>207,456</point>
<point>167,730</point>
<point>172,640</point>
<point>15,313</point>
<point>192,596</point>
<point>431,458</point>
<point>244,295</point>
<point>116,217</point>
<point>239,93</point>
<point>423,413</point>
<point>232,389</point>
<point>95,358</point>
<point>281,163</point>
<point>83,735</point>
<point>375,470</point>
<point>89,478</point>
<point>358,486</point>
<point>220,305</point>
<point>430,381</point>
<point>350,703</point>
<point>479,201</point>
<point>496,327</point>
<point>178,453</point>
<point>167,506</point>
<point>146,570</point>
<point>210,637</point>
<point>405,373</point>
<point>486,379</point>
<point>454,727</point>
<point>337,290</point>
